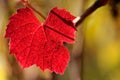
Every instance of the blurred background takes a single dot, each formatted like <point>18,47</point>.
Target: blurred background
<point>94,56</point>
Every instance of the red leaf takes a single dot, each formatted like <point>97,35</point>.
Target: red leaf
<point>23,1</point>
<point>41,44</point>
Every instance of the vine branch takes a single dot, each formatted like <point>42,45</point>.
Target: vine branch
<point>90,10</point>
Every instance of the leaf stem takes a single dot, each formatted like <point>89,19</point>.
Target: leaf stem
<point>26,3</point>
<point>91,9</point>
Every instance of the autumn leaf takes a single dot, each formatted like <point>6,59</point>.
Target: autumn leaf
<point>33,42</point>
<point>24,1</point>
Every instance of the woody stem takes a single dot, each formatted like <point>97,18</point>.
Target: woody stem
<point>91,9</point>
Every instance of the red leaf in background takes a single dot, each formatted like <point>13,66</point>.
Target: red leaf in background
<point>23,1</point>
<point>41,44</point>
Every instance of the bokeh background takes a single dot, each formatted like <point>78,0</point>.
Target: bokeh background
<point>94,56</point>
